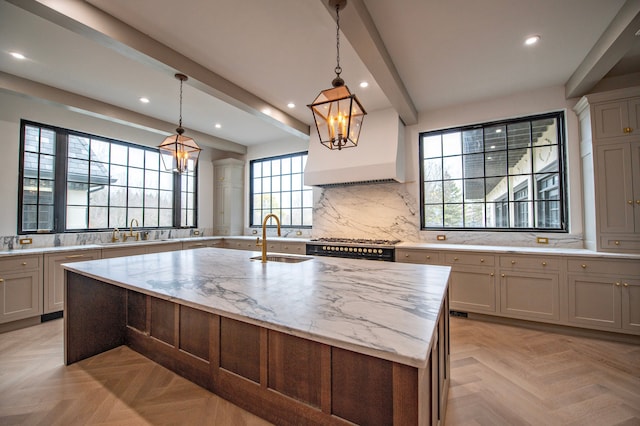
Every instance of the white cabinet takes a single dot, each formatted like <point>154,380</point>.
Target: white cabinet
<point>228,216</point>
<point>20,287</point>
<point>54,276</point>
<point>610,151</point>
<point>620,118</point>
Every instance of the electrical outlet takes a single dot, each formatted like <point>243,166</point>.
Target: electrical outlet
<point>26,240</point>
<point>196,232</point>
<point>441,237</point>
<point>542,240</point>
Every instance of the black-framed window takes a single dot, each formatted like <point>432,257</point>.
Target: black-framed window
<point>506,175</point>
<point>277,186</point>
<point>73,181</point>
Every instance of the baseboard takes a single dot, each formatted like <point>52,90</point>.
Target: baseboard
<point>557,328</point>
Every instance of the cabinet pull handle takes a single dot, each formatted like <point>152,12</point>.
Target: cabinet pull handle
<point>544,263</point>
<point>74,256</point>
<point>617,284</point>
<point>583,266</point>
<point>513,262</point>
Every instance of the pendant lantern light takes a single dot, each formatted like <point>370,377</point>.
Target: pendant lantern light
<point>338,114</point>
<point>179,153</point>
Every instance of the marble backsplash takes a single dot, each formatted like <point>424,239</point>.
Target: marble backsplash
<point>391,211</point>
<point>12,242</point>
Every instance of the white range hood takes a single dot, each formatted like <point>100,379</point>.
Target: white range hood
<point>379,156</point>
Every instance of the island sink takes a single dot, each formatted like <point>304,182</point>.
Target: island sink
<point>282,258</point>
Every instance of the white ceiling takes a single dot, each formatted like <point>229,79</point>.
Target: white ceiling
<point>245,55</point>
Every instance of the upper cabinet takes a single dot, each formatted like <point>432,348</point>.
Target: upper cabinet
<point>228,215</point>
<point>610,151</point>
<point>617,119</point>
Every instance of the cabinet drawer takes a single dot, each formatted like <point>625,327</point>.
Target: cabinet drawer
<point>620,243</point>
<point>603,266</point>
<point>540,263</point>
<point>418,256</point>
<point>20,263</point>
<point>469,259</point>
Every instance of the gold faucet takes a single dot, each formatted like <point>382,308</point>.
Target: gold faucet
<point>264,234</point>
<point>113,235</point>
<point>131,234</point>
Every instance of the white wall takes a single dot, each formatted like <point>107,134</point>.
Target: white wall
<point>14,107</point>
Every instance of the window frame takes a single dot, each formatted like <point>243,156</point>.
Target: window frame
<point>532,175</point>
<point>62,159</point>
<point>252,209</point>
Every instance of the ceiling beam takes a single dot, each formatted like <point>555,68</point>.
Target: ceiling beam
<point>87,20</point>
<point>358,27</point>
<point>92,107</point>
<point>614,43</point>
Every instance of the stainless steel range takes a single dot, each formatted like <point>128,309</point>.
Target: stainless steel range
<point>353,248</point>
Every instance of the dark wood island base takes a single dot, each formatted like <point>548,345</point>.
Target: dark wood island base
<point>282,378</point>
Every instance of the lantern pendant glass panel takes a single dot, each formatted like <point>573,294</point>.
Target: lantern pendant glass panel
<point>179,153</point>
<point>338,116</point>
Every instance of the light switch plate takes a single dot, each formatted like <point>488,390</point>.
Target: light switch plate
<point>441,237</point>
<point>26,240</point>
<point>542,240</point>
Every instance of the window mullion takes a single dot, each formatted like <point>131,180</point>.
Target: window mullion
<point>60,182</point>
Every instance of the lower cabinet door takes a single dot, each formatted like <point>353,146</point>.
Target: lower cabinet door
<point>530,295</point>
<point>54,276</point>
<point>20,295</point>
<point>594,301</point>
<point>631,305</point>
<point>473,290</point>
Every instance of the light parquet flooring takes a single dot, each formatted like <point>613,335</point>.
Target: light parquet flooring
<point>500,375</point>
<point>507,375</point>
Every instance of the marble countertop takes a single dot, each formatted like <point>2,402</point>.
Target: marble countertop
<point>62,249</point>
<point>384,309</point>
<point>515,250</point>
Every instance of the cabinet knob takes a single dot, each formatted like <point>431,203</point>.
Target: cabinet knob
<point>428,257</point>
<point>492,274</point>
<point>630,202</point>
<point>502,275</point>
<point>544,263</point>
<point>617,243</point>
<point>481,260</point>
<point>455,258</point>
<point>627,130</point>
<point>24,263</point>
<point>617,284</point>
<point>1,280</point>
<point>625,284</point>
<point>406,255</point>
<point>513,262</point>
<point>638,202</point>
<point>583,266</point>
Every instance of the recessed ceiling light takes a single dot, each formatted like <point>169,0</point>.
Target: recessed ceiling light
<point>18,55</point>
<point>291,105</point>
<point>144,100</point>
<point>364,84</point>
<point>218,125</point>
<point>532,40</point>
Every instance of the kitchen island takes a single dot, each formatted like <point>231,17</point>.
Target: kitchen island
<point>320,341</point>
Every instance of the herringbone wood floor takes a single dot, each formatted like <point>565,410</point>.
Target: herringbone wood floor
<point>501,375</point>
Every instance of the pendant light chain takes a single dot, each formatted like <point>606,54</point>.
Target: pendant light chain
<point>338,69</point>
<point>180,120</point>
